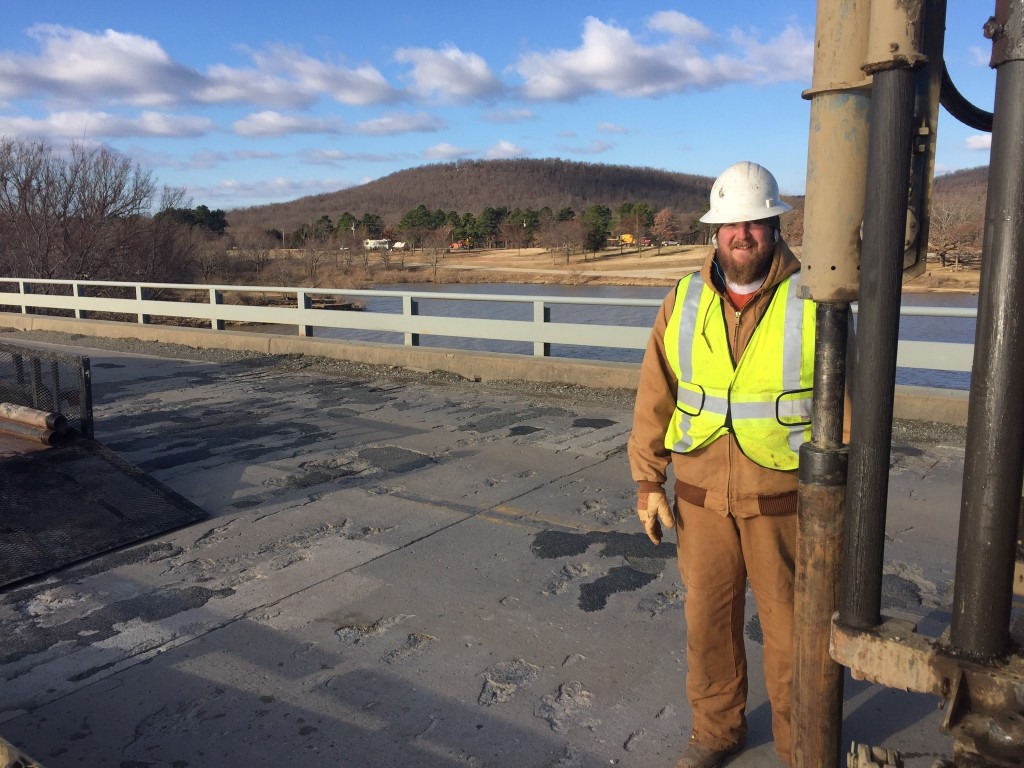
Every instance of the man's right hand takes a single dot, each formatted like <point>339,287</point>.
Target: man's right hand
<point>654,512</point>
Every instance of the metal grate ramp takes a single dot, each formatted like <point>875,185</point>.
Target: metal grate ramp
<point>50,381</point>
<point>73,501</point>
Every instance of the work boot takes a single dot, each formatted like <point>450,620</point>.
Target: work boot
<point>697,756</point>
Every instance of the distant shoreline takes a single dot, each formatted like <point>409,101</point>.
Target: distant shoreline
<point>650,267</point>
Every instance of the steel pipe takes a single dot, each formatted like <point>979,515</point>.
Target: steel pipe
<point>873,382</point>
<point>33,417</point>
<point>994,456</point>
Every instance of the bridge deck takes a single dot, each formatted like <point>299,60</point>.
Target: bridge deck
<point>398,569</point>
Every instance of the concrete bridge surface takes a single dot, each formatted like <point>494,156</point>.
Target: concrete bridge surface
<point>398,569</point>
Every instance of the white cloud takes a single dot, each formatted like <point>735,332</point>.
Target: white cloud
<point>255,154</point>
<point>325,156</point>
<point>206,160</point>
<point>789,56</point>
<point>449,74</point>
<point>197,161</point>
<point>509,115</point>
<point>446,151</point>
<point>231,85</point>
<point>979,142</point>
<point>612,128</point>
<point>337,157</point>
<point>73,66</point>
<point>611,60</point>
<point>230,192</point>
<point>270,123</point>
<point>980,56</point>
<point>95,125</point>
<point>394,123</point>
<point>505,150</point>
<point>679,25</point>
<point>286,77</point>
<point>79,67</point>
<point>593,148</point>
<point>160,124</point>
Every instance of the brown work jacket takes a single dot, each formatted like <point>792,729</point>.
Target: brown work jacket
<point>718,476</point>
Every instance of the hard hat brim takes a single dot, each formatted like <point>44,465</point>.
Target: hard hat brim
<point>750,214</point>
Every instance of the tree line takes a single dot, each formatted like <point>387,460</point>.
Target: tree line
<point>91,213</point>
<point>589,230</point>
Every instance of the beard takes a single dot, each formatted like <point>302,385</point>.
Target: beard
<point>748,270</point>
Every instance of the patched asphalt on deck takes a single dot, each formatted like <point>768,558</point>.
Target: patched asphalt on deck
<point>393,573</point>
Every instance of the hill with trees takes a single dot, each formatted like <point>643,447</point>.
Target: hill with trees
<point>971,182</point>
<point>470,186</point>
<point>509,202</point>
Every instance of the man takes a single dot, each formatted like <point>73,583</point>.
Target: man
<point>724,399</point>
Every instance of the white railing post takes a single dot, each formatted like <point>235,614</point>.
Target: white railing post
<point>541,315</point>
<point>142,294</point>
<point>216,298</point>
<point>24,291</point>
<point>411,308</point>
<point>302,301</point>
<point>78,291</point>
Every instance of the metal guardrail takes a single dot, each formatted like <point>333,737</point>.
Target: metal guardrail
<point>147,302</point>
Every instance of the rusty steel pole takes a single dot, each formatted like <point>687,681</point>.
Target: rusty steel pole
<point>817,679</point>
<point>834,209</point>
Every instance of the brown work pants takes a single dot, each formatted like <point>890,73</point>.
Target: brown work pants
<point>717,555</point>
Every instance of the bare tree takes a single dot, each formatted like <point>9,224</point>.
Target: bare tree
<point>665,227</point>
<point>514,233</point>
<point>435,245</point>
<point>257,249</point>
<point>950,227</point>
<point>313,255</point>
<point>164,252</point>
<point>209,257</point>
<point>561,237</point>
<point>351,243</point>
<point>69,215</point>
<point>317,244</point>
<point>400,253</point>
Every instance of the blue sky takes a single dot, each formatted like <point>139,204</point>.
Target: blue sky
<point>258,102</point>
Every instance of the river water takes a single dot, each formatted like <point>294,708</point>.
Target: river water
<point>949,329</point>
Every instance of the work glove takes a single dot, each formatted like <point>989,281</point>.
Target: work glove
<point>654,512</point>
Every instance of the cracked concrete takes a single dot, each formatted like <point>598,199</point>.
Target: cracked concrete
<point>396,570</point>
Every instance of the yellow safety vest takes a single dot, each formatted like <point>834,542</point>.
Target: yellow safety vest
<point>765,399</point>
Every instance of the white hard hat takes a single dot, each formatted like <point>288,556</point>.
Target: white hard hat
<point>745,191</point>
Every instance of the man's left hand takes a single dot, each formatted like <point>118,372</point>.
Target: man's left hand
<point>654,512</point>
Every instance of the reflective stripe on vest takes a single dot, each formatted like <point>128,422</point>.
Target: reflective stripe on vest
<point>765,400</point>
